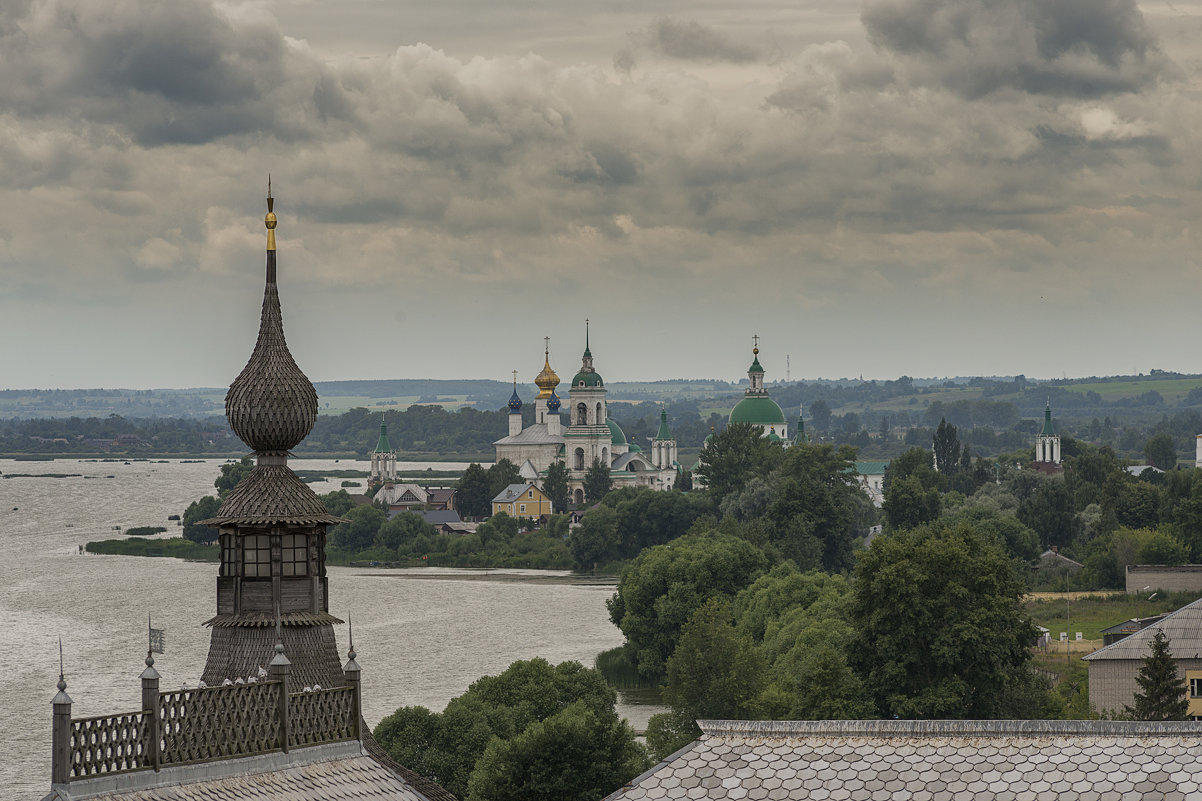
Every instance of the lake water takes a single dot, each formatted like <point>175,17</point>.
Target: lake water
<point>419,642</point>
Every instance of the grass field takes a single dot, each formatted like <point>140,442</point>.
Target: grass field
<point>1173,389</point>
<point>1091,614</point>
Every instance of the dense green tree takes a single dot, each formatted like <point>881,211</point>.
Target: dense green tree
<point>1159,450</point>
<point>1049,511</point>
<point>555,485</point>
<point>1161,694</point>
<point>684,482</point>
<point>447,746</point>
<point>735,456</point>
<point>473,498</point>
<point>917,462</point>
<point>338,502</point>
<point>946,448</point>
<point>820,415</point>
<point>595,541</point>
<point>647,517</point>
<point>203,509</point>
<point>597,482</point>
<point>941,631</point>
<point>1138,504</point>
<point>402,528</point>
<point>1005,530</point>
<point>668,732</point>
<point>500,476</point>
<point>715,672</point>
<point>663,586</point>
<point>232,473</point>
<point>908,504</point>
<point>801,622</point>
<point>573,755</point>
<point>360,532</point>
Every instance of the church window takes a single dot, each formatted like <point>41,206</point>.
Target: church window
<point>579,497</point>
<point>229,558</point>
<point>256,556</point>
<point>605,456</point>
<point>580,458</point>
<point>581,414</point>
<point>600,416</point>
<point>295,555</point>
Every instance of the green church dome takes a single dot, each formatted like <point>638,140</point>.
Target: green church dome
<point>590,379</point>
<point>634,448</point>
<point>758,410</point>
<point>616,437</point>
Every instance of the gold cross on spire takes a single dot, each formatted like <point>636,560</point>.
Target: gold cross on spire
<point>515,379</point>
<point>755,338</point>
<point>546,346</point>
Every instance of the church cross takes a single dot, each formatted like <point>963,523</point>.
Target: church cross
<point>756,339</point>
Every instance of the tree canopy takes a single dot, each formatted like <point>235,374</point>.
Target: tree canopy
<point>940,630</point>
<point>665,584</point>
<point>494,742</point>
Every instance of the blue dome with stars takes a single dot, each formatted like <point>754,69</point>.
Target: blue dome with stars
<point>553,403</point>
<point>515,403</point>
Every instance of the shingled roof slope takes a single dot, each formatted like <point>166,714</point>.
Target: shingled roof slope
<point>272,493</point>
<point>344,771</point>
<point>1183,629</point>
<point>880,760</point>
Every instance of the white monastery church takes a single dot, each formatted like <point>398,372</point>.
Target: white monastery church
<point>589,436</point>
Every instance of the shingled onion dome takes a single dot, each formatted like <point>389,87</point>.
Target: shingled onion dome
<point>271,405</point>
<point>547,380</point>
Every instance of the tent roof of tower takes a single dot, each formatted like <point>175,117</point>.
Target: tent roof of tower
<point>272,494</point>
<point>663,433</point>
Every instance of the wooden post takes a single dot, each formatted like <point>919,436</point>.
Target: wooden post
<point>351,672</point>
<point>278,670</point>
<point>151,727</point>
<point>60,753</point>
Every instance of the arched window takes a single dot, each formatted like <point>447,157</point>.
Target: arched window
<point>579,497</point>
<point>581,414</point>
<point>630,467</point>
<point>600,416</point>
<point>580,458</point>
<point>605,456</point>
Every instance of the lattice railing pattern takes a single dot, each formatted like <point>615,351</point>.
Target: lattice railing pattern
<point>321,716</point>
<point>108,744</point>
<point>217,722</point>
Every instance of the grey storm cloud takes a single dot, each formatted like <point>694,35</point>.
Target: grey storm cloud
<point>176,72</point>
<point>691,41</point>
<point>1073,48</point>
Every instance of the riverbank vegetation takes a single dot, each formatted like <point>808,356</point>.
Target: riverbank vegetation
<point>178,548</point>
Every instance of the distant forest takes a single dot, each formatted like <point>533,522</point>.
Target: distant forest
<point>881,418</point>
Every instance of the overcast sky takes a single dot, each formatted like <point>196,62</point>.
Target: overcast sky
<point>921,187</point>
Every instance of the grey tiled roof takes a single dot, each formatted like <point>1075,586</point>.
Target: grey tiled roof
<point>1183,628</point>
<point>328,773</point>
<point>512,492</point>
<point>532,435</point>
<point>888,760</point>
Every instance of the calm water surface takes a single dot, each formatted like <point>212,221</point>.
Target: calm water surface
<point>419,642</point>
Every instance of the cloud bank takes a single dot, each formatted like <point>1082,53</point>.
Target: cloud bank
<point>953,152</point>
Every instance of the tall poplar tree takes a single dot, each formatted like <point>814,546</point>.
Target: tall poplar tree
<point>1162,695</point>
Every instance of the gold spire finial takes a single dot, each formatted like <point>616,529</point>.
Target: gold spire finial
<point>270,220</point>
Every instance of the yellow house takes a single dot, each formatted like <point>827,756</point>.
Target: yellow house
<point>522,500</point>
